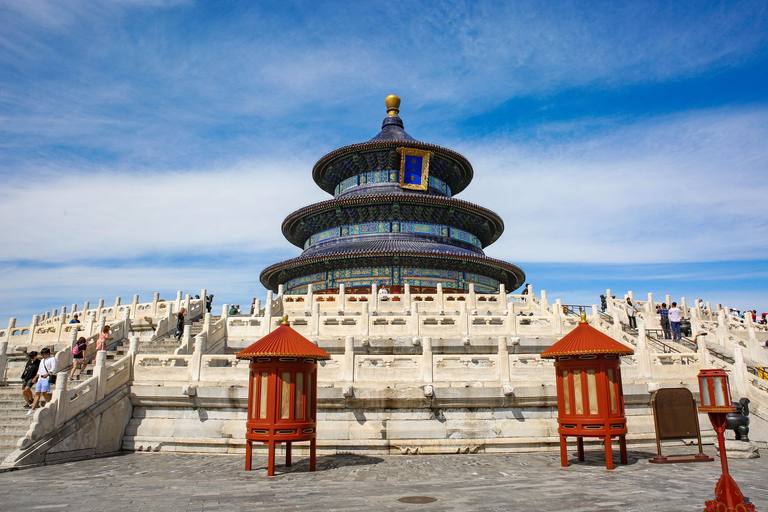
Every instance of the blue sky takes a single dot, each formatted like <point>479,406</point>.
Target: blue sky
<point>150,145</point>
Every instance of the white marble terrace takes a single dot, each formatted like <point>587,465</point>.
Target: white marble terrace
<point>409,372</point>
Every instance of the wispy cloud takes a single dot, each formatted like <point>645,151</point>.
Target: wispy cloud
<point>684,187</point>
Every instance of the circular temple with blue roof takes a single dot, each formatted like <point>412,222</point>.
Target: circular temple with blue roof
<point>392,221</point>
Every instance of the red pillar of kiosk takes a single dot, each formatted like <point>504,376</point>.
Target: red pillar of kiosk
<point>282,393</point>
<point>590,400</point>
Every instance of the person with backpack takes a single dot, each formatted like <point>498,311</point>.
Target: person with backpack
<point>46,375</point>
<point>78,357</point>
<point>28,378</point>
<point>180,323</point>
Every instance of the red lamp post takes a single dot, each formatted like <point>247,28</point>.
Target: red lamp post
<point>282,393</point>
<point>716,402</point>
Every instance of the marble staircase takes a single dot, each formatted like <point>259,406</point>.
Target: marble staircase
<point>14,421</point>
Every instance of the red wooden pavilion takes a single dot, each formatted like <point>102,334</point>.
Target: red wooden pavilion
<point>590,401</point>
<point>282,393</point>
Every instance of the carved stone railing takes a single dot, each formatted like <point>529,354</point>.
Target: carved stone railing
<point>58,419</point>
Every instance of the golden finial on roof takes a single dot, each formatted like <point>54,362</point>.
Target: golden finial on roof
<point>393,105</point>
<point>285,319</point>
<point>583,317</point>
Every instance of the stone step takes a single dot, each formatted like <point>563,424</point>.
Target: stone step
<point>13,417</point>
<point>15,429</point>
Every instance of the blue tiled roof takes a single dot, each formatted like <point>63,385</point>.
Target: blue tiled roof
<point>392,129</point>
<point>386,243</point>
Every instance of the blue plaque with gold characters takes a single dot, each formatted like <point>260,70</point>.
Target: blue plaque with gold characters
<point>414,168</point>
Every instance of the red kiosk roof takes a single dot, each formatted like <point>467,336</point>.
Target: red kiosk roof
<point>283,342</point>
<point>585,339</point>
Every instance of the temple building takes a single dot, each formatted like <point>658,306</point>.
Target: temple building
<point>393,220</point>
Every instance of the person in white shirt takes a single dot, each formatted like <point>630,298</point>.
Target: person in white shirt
<point>674,319</point>
<point>630,309</point>
<point>45,371</point>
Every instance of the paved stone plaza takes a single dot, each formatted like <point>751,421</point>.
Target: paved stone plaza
<point>510,482</point>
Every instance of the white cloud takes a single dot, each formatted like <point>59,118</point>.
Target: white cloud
<point>686,187</point>
<point>128,215</point>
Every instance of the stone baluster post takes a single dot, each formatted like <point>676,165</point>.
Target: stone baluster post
<point>349,359</point>
<point>631,296</point>
<point>608,301</point>
<point>102,323</point>
<point>179,296</point>
<point>668,300</point>
<point>86,307</point>
<point>704,361</point>
<point>72,342</point>
<point>342,298</point>
<point>155,301</point>
<point>100,308</point>
<point>503,360</point>
<point>134,306</point>
<point>115,309</point>
<point>280,291</point>
<point>207,323</point>
<point>407,298</point>
<point>558,317</point>
<point>197,356</point>
<point>186,339</point>
<point>463,318</point>
<point>60,397</point>
<point>512,315</point>
<point>684,308</point>
<point>62,323</point>
<point>33,328</point>
<point>722,328</point>
<point>415,318</point>
<point>374,299</point>
<point>596,317</point>
<point>4,356</point>
<point>529,295</point>
<point>268,313</point>
<point>650,307</point>
<point>308,300</point>
<point>133,349</point>
<point>187,300</point>
<point>126,323</point>
<point>314,329</point>
<point>11,327</point>
<point>739,377</point>
<point>502,294</point>
<point>427,359</point>
<point>257,308</point>
<point>642,355</point>
<point>752,342</point>
<point>616,324</point>
<point>439,298</point>
<point>100,372</point>
<point>90,321</point>
<point>471,298</point>
<point>544,302</point>
<point>365,320</point>
<point>55,313</point>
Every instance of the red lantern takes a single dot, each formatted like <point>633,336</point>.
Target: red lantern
<point>590,400</point>
<point>716,401</point>
<point>282,393</point>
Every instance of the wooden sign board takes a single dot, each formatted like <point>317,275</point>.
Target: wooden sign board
<point>675,417</point>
